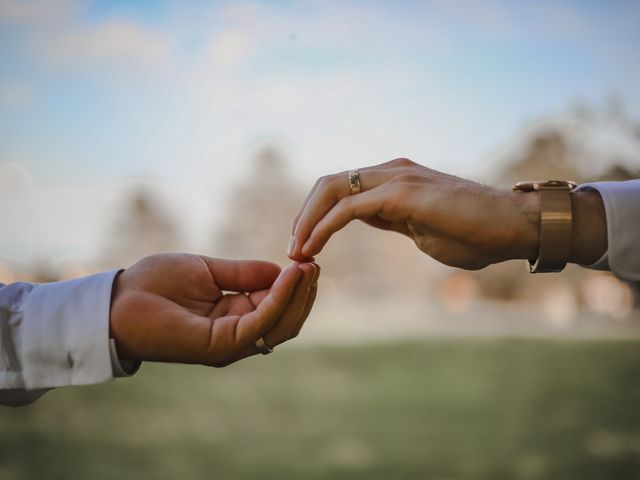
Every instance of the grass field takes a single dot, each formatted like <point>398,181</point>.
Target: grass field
<point>463,409</point>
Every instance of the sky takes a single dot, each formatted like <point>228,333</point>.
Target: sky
<point>97,95</point>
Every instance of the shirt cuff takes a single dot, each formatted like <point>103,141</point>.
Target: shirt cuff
<point>65,333</point>
<point>122,368</point>
<point>622,208</point>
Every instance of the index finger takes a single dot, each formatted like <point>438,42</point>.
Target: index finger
<point>255,324</point>
<point>327,192</point>
<point>241,275</point>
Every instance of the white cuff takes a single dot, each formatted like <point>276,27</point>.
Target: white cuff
<point>622,208</point>
<point>122,368</point>
<point>65,333</point>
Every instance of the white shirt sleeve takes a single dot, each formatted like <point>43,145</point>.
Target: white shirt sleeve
<point>622,208</point>
<point>54,335</point>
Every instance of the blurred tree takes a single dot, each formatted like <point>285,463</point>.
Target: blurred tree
<point>260,210</point>
<point>144,227</point>
<point>618,173</point>
<point>547,155</point>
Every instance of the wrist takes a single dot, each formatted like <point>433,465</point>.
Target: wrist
<point>115,313</point>
<point>589,239</point>
<point>589,228</point>
<point>526,225</point>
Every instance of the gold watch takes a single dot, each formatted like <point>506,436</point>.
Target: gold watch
<point>554,248</point>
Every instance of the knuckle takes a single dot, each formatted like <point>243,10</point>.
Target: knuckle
<point>402,162</point>
<point>327,185</point>
<point>324,181</point>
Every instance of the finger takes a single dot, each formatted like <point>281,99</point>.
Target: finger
<point>364,205</point>
<point>257,297</point>
<point>255,324</point>
<point>395,163</point>
<point>232,304</point>
<point>297,309</point>
<point>329,191</point>
<point>313,291</point>
<point>304,204</point>
<point>284,328</point>
<point>241,275</point>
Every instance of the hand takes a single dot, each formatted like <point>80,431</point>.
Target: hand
<point>172,307</point>
<point>458,222</point>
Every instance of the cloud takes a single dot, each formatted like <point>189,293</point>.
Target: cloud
<point>21,12</point>
<point>107,42</point>
<point>15,179</point>
<point>231,47</point>
<point>15,95</point>
<point>489,16</point>
<point>56,33</point>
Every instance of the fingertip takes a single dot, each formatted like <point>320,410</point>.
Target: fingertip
<point>291,248</point>
<point>290,274</point>
<point>286,282</point>
<point>308,267</point>
<point>294,266</point>
<point>317,276</point>
<point>300,258</point>
<point>307,250</point>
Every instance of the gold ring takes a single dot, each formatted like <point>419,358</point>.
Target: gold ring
<point>354,181</point>
<point>262,347</point>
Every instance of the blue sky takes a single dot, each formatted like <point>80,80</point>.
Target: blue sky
<point>95,93</point>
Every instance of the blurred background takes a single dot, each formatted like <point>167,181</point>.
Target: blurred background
<point>130,128</point>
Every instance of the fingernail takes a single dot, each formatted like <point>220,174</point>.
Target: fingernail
<point>304,247</point>
<point>292,245</point>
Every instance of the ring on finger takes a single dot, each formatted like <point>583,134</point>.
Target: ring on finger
<point>354,181</point>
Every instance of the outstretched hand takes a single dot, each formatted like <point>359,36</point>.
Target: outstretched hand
<point>195,309</point>
<point>456,221</point>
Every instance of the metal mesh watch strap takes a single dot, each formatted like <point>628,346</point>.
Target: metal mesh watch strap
<point>556,227</point>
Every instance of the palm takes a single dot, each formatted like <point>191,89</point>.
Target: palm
<point>185,283</point>
<point>173,307</point>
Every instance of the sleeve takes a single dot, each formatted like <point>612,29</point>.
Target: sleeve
<point>54,335</point>
<point>622,208</point>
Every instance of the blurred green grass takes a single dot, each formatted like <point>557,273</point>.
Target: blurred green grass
<point>447,409</point>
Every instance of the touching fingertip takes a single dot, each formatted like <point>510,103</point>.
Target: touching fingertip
<point>317,274</point>
<point>306,250</point>
<point>291,248</point>
<point>308,267</point>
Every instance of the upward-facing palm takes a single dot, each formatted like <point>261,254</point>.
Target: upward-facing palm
<point>195,309</point>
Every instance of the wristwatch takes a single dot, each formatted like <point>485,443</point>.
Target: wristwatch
<point>554,248</point>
